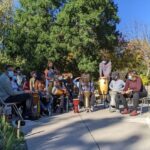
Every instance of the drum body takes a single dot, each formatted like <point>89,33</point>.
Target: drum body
<point>59,92</point>
<point>36,105</point>
<point>103,86</point>
<point>76,105</point>
<point>86,99</point>
<point>113,98</point>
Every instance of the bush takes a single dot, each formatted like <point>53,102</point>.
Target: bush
<point>145,79</point>
<point>8,138</point>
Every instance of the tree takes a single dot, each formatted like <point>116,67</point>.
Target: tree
<point>140,44</point>
<point>5,20</point>
<point>30,34</point>
<point>82,29</point>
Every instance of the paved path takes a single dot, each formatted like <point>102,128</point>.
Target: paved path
<point>99,130</point>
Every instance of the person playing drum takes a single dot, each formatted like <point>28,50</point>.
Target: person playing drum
<point>87,85</point>
<point>116,87</point>
<point>59,93</point>
<point>105,68</point>
<point>134,89</point>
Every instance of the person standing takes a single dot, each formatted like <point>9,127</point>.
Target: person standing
<point>32,81</point>
<point>105,68</point>
<point>50,73</point>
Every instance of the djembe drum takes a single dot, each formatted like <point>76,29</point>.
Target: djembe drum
<point>76,105</point>
<point>36,105</point>
<point>103,86</point>
<point>113,97</point>
<point>87,95</point>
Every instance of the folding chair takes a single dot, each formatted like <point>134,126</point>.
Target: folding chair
<point>145,100</point>
<point>14,106</point>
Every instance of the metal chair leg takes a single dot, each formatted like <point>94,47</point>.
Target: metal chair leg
<point>148,107</point>
<point>141,111</point>
<point>17,111</point>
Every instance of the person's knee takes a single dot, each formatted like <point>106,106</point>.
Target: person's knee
<point>136,96</point>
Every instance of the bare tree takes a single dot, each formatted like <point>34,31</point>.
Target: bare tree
<point>139,37</point>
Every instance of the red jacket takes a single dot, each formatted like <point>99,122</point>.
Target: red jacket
<point>136,85</point>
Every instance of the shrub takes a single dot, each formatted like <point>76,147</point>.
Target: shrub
<point>145,79</point>
<point>8,138</point>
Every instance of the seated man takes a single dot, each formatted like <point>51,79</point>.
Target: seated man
<point>87,85</point>
<point>116,86</point>
<point>10,96</point>
<point>133,89</point>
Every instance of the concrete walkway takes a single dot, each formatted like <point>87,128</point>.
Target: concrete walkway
<point>99,130</point>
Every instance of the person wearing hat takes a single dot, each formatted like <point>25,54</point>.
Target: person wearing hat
<point>133,89</point>
<point>116,87</point>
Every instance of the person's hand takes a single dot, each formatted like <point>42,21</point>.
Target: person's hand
<point>123,92</point>
<point>129,91</point>
<point>28,91</point>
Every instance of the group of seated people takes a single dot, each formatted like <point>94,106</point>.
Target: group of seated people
<point>120,90</point>
<point>53,90</point>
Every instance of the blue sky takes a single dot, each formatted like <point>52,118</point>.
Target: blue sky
<point>130,11</point>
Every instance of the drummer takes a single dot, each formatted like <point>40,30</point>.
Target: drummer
<point>58,92</point>
<point>105,67</point>
<point>87,85</point>
<point>116,87</point>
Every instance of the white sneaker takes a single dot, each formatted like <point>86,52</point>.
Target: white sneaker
<point>92,108</point>
<point>117,110</point>
<point>111,109</point>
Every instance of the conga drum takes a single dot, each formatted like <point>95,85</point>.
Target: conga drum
<point>113,98</point>
<point>76,105</point>
<point>103,86</point>
<point>87,95</point>
<point>36,105</point>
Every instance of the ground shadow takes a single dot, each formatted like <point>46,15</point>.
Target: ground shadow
<point>71,136</point>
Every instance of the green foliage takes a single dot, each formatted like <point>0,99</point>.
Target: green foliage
<point>84,27</point>
<point>145,79</point>
<point>54,29</point>
<point>8,139</point>
<point>16,62</point>
<point>5,20</point>
<point>30,34</point>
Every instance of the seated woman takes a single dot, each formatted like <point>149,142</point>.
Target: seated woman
<point>26,85</point>
<point>45,99</point>
<point>58,92</point>
<point>116,87</point>
<point>133,89</point>
<point>87,85</point>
